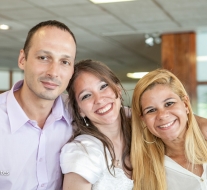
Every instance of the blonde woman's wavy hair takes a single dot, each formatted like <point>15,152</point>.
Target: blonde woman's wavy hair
<point>148,159</point>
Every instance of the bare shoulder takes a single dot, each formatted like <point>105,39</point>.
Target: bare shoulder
<point>74,181</point>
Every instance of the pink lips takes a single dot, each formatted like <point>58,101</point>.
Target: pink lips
<point>49,85</point>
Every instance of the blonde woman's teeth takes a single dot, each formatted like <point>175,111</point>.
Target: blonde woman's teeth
<point>167,125</point>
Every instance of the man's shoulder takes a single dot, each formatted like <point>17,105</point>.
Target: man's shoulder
<point>3,97</point>
<point>3,106</point>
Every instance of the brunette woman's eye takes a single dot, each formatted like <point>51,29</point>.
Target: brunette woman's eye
<point>104,86</point>
<point>85,96</point>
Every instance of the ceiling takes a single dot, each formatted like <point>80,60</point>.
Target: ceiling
<point>113,33</point>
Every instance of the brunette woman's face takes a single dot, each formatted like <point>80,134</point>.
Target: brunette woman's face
<point>96,100</point>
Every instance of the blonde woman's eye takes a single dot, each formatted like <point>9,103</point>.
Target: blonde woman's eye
<point>151,110</point>
<point>169,104</point>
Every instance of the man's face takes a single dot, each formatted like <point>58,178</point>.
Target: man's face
<point>50,63</point>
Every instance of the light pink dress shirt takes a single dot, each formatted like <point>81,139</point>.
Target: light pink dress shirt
<point>29,155</point>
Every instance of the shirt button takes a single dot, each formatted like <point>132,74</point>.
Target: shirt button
<point>43,185</point>
<point>202,179</point>
<point>40,160</point>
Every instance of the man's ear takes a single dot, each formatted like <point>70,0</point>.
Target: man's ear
<point>21,59</point>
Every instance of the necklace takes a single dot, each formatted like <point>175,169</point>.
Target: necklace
<point>197,169</point>
<point>190,166</point>
<point>118,163</point>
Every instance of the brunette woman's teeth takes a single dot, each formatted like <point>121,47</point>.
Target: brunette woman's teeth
<point>105,109</point>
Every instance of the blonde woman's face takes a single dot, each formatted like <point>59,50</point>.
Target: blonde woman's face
<point>164,113</point>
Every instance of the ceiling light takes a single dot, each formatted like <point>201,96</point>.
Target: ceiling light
<point>137,75</point>
<point>202,58</point>
<point>4,27</point>
<point>157,40</point>
<point>108,1</point>
<point>151,39</point>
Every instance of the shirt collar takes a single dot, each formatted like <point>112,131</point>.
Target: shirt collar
<point>17,116</point>
<point>60,108</point>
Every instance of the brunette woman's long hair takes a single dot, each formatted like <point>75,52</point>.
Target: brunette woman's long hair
<point>101,71</point>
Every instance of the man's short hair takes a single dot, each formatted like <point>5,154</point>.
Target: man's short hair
<point>33,30</point>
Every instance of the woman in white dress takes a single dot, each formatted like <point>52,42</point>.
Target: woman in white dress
<point>171,152</point>
<point>97,156</point>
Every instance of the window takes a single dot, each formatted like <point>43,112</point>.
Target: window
<point>201,73</point>
<point>9,78</point>
<point>4,78</point>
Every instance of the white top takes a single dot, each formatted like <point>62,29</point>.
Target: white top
<point>85,156</point>
<point>179,178</point>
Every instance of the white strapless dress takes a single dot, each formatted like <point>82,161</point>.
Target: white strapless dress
<point>85,156</point>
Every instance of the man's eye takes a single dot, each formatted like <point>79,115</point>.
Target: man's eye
<point>66,62</point>
<point>104,86</point>
<point>85,96</point>
<point>42,57</point>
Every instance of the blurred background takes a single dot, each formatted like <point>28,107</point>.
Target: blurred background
<point>128,36</point>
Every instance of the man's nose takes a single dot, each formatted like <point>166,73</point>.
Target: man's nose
<point>53,69</point>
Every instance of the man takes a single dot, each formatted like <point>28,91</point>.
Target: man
<point>34,122</point>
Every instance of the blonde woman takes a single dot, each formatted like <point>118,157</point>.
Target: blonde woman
<point>168,149</point>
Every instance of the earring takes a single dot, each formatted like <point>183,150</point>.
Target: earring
<point>145,139</point>
<point>85,121</point>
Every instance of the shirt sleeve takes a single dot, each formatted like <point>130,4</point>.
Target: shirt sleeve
<point>84,156</point>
